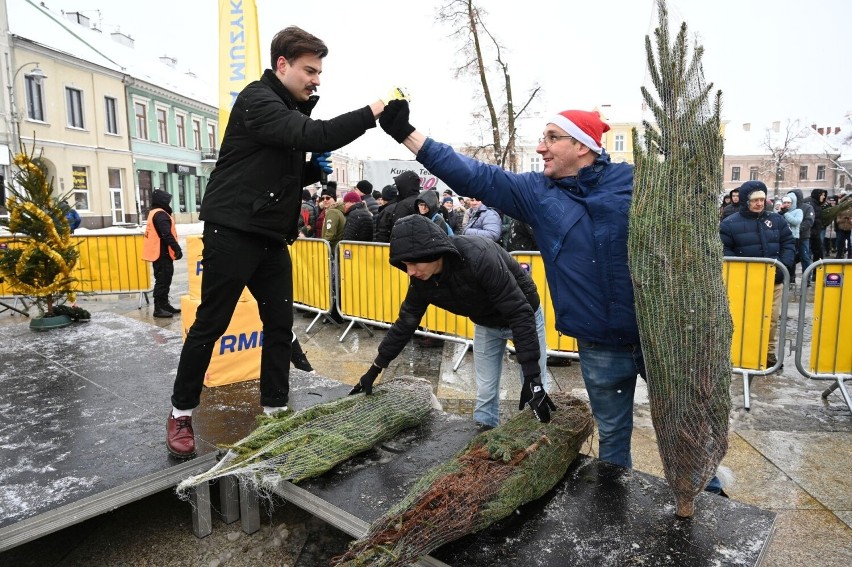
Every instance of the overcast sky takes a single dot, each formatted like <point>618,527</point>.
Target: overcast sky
<point>772,59</point>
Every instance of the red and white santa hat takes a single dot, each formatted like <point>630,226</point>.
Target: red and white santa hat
<point>585,127</point>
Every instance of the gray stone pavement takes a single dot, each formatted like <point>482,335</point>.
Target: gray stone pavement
<point>789,454</point>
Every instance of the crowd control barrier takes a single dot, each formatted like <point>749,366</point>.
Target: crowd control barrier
<point>750,283</point>
<point>558,345</point>
<point>371,292</point>
<point>108,263</point>
<point>831,329</point>
<point>312,283</point>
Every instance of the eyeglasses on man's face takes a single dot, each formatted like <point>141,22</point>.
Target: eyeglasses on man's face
<point>327,198</point>
<point>551,139</point>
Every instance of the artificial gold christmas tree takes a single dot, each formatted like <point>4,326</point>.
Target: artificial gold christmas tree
<point>40,258</point>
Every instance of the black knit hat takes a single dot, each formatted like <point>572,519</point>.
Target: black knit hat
<point>389,193</point>
<point>330,189</point>
<point>364,186</point>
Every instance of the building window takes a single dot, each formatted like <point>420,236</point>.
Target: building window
<point>162,125</point>
<point>74,106</point>
<point>535,163</point>
<point>735,173</point>
<point>111,115</point>
<point>141,112</point>
<point>820,173</point>
<point>841,181</point>
<point>619,142</point>
<point>197,194</point>
<point>196,134</point>
<point>211,136</point>
<point>164,181</point>
<point>752,174</point>
<point>35,97</point>
<point>803,173</point>
<point>182,189</point>
<point>180,127</point>
<point>80,174</point>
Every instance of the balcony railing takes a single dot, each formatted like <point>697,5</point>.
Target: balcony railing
<point>210,156</point>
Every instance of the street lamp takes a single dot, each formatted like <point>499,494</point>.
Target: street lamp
<point>15,117</point>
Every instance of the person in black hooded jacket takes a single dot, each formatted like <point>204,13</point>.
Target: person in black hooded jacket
<point>161,248</point>
<point>819,201</point>
<point>250,213</point>
<point>408,190</point>
<point>384,218</point>
<point>475,278</point>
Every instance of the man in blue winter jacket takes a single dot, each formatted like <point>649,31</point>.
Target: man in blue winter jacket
<point>578,209</point>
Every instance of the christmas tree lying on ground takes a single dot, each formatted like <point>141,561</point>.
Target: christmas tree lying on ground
<point>39,260</point>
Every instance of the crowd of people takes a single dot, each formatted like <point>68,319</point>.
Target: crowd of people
<point>455,214</point>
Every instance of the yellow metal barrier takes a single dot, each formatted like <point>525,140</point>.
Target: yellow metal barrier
<point>107,264</point>
<point>557,344</point>
<point>831,334</point>
<point>311,274</point>
<point>750,285</point>
<point>371,291</point>
<point>831,343</point>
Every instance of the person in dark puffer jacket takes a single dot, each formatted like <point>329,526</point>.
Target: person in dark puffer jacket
<point>476,278</point>
<point>359,221</point>
<point>384,218</point>
<point>754,232</point>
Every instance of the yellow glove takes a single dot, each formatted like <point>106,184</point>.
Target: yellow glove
<point>396,93</point>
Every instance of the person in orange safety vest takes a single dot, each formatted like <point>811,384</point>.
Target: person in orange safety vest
<point>160,246</point>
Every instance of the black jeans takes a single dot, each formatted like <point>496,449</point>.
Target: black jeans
<point>232,260</point>
<point>164,271</point>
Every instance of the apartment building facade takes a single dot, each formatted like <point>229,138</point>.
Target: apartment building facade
<point>111,124</point>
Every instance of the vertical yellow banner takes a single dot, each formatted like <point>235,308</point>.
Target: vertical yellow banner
<point>239,53</point>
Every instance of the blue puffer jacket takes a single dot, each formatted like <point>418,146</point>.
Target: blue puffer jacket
<point>580,225</point>
<point>766,234</point>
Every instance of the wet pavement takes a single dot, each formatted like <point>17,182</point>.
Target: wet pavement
<point>790,454</point>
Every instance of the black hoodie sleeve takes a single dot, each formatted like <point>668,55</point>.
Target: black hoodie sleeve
<point>163,226</point>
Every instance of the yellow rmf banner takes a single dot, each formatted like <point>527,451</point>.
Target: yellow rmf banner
<point>239,53</point>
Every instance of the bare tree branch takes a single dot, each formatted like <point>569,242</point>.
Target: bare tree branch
<point>468,23</point>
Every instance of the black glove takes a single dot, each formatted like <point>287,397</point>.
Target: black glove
<point>533,394</point>
<point>365,384</point>
<point>178,254</point>
<point>394,120</point>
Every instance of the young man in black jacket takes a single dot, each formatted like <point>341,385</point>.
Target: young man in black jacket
<point>475,278</point>
<point>250,213</point>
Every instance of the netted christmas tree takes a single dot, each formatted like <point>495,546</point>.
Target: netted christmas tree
<point>40,258</point>
<point>675,259</point>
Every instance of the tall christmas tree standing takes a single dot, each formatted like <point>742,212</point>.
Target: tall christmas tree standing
<point>676,264</point>
<point>40,259</point>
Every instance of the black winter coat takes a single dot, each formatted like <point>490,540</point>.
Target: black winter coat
<point>384,222</point>
<point>257,183</point>
<point>479,280</point>
<point>359,224</point>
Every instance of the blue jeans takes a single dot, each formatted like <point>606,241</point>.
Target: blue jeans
<point>609,373</point>
<point>489,345</point>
